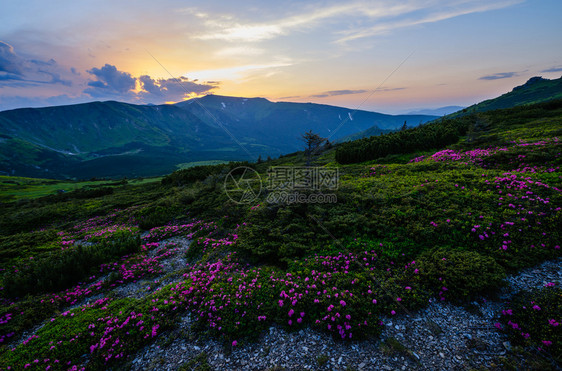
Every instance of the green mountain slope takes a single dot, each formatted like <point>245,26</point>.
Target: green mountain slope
<point>535,90</point>
<point>114,139</point>
<point>372,131</point>
<point>450,128</point>
<point>271,121</point>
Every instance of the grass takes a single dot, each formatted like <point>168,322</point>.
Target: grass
<point>18,188</point>
<point>198,363</point>
<point>322,360</point>
<point>392,346</point>
<point>187,165</point>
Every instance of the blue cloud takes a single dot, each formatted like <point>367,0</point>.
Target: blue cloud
<point>17,71</point>
<point>110,81</point>
<point>171,89</point>
<point>332,93</point>
<point>9,61</point>
<point>553,69</point>
<point>499,76</point>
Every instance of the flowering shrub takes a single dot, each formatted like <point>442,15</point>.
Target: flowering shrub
<point>107,331</point>
<point>533,319</point>
<point>61,270</point>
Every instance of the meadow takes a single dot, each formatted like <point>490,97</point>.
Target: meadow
<point>413,223</point>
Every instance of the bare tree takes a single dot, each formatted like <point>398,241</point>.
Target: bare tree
<point>312,142</point>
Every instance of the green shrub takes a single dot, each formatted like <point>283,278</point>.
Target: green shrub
<point>60,270</point>
<point>459,275</point>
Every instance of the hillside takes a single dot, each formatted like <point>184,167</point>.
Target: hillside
<point>113,139</point>
<point>535,90</point>
<point>409,254</point>
<point>372,131</point>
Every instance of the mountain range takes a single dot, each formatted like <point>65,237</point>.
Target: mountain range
<point>441,111</point>
<point>113,139</point>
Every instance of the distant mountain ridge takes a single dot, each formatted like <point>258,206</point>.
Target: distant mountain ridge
<point>114,139</point>
<point>441,111</point>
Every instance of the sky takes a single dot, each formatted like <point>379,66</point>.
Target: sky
<point>388,56</point>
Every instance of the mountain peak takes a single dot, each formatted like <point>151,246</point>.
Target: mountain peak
<point>533,80</point>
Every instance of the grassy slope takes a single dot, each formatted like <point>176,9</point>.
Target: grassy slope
<point>536,90</point>
<point>389,212</point>
<point>18,188</point>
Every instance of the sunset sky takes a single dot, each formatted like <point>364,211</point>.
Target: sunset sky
<point>387,56</point>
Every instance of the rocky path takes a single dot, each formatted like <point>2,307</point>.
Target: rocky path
<point>440,337</point>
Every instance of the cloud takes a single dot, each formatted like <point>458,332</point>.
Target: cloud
<point>110,82</point>
<point>9,61</point>
<point>499,76</point>
<point>18,71</point>
<point>228,28</point>
<point>239,51</point>
<point>238,72</point>
<point>332,93</point>
<point>552,69</point>
<point>291,97</point>
<point>370,19</point>
<point>433,11</point>
<point>171,89</point>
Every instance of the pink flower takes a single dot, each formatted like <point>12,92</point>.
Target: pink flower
<point>342,303</point>
<point>234,343</point>
<point>280,303</point>
<point>392,312</point>
<point>291,312</point>
<point>547,342</point>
